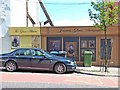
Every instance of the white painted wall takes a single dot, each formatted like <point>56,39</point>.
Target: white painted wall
<point>4,23</point>
<point>18,12</point>
<point>12,13</point>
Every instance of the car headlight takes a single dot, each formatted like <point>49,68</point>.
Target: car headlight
<point>70,62</point>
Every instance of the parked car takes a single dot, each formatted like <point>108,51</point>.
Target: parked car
<point>34,58</point>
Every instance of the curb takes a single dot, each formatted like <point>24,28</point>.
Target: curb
<point>96,73</point>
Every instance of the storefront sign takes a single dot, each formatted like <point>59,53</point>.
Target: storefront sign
<point>24,31</point>
<point>70,30</point>
<point>76,30</point>
<point>31,32</point>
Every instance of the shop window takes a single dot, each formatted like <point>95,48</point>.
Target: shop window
<point>71,46</point>
<point>102,49</point>
<point>54,44</point>
<point>15,41</point>
<point>83,43</point>
<point>91,43</point>
<point>71,49</point>
<point>88,43</point>
<point>35,41</point>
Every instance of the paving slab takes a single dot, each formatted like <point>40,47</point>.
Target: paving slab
<point>96,70</point>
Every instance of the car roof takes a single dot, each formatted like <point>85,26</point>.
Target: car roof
<point>27,48</point>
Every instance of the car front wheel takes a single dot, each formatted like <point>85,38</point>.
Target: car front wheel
<point>11,66</point>
<point>60,68</point>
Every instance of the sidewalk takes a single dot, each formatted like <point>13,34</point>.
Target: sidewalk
<point>95,70</point>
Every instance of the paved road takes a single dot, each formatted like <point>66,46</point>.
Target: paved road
<point>38,79</point>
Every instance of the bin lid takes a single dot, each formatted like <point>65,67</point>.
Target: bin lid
<point>62,52</point>
<point>54,52</point>
<point>87,52</point>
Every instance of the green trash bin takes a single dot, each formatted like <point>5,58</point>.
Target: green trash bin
<point>87,58</point>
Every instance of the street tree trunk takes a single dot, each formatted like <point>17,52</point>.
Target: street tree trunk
<point>105,49</point>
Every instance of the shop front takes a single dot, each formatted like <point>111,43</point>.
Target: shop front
<point>72,39</point>
<point>24,37</point>
<point>76,40</point>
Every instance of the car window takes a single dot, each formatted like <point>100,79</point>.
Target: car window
<point>22,52</point>
<point>27,53</point>
<point>17,53</point>
<point>36,53</point>
<point>33,52</point>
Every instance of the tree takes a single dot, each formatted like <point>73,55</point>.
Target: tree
<point>105,14</point>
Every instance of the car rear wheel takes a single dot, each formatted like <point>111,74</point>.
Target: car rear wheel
<point>60,68</point>
<point>11,66</point>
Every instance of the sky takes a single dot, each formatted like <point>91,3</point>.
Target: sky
<point>61,12</point>
<point>69,12</point>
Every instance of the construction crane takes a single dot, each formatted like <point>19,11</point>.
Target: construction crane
<point>46,14</point>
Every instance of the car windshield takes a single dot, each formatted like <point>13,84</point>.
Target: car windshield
<point>47,53</point>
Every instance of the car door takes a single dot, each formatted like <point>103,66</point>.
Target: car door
<point>39,61</point>
<point>23,58</point>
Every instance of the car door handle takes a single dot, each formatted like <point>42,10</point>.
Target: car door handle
<point>33,57</point>
<point>50,61</point>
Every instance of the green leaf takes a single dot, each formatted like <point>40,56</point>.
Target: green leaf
<point>106,14</point>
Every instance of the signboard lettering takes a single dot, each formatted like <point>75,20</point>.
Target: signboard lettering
<point>76,30</point>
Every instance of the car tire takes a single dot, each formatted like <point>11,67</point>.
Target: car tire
<point>11,66</point>
<point>60,68</point>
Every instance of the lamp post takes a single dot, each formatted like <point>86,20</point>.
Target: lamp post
<point>40,23</point>
<point>27,13</point>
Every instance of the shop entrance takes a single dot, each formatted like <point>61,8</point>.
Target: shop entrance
<point>87,43</point>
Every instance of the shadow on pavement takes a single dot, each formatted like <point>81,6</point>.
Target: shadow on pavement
<point>34,71</point>
<point>29,71</point>
<point>89,74</point>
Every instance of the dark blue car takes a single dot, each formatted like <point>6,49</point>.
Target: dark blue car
<point>34,58</point>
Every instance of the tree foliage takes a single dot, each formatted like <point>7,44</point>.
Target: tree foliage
<point>105,14</point>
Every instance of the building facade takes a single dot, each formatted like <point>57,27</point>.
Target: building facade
<point>24,37</point>
<point>4,23</point>
<point>72,39</point>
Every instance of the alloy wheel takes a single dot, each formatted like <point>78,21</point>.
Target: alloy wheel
<point>11,66</point>
<point>60,68</point>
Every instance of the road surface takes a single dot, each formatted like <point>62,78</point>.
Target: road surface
<point>42,79</point>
